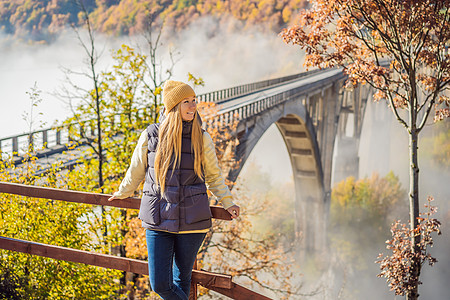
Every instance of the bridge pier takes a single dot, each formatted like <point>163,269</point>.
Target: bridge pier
<point>348,133</point>
<point>347,159</point>
<point>297,130</point>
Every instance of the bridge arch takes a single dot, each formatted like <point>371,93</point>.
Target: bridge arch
<point>310,122</point>
<point>298,132</point>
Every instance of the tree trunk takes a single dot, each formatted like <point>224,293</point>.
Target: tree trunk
<point>414,212</point>
<point>99,136</point>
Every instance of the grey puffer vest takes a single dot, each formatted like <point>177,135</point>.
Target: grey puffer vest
<point>184,205</point>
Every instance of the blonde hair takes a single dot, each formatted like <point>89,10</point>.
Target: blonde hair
<point>169,146</point>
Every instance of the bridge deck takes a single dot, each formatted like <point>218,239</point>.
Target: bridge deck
<point>307,82</point>
<point>236,102</point>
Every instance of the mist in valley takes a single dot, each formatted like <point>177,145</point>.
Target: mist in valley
<point>383,149</point>
<point>222,53</point>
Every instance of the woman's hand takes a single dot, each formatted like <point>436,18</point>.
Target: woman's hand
<point>112,198</point>
<point>234,211</point>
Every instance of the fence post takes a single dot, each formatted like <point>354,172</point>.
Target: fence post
<point>193,291</point>
<point>58,136</point>
<point>45,138</point>
<point>15,146</point>
<point>69,136</point>
<point>30,142</point>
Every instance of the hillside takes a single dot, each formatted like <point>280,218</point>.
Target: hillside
<point>42,20</point>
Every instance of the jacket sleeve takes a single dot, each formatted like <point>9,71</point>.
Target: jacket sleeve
<point>136,171</point>
<point>213,175</point>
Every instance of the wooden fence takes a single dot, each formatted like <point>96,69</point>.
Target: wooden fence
<point>220,283</point>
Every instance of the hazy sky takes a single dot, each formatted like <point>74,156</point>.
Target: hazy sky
<point>222,57</point>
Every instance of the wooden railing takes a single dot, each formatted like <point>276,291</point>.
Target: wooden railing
<point>220,283</point>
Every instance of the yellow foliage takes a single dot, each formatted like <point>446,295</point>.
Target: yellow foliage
<point>128,16</point>
<point>361,212</point>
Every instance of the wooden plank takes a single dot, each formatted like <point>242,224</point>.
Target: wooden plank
<point>88,198</point>
<point>238,292</point>
<point>74,255</point>
<point>106,261</point>
<point>205,279</point>
<point>67,195</point>
<point>218,212</point>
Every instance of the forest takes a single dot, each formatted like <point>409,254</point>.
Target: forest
<point>42,20</point>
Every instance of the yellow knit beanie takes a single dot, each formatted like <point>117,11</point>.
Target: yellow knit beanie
<point>174,92</point>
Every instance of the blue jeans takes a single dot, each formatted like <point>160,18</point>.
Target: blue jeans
<point>170,261</point>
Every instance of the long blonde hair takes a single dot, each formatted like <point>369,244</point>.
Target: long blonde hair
<point>169,145</point>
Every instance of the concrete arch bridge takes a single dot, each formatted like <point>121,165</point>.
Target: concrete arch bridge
<point>320,123</point>
<point>316,117</point>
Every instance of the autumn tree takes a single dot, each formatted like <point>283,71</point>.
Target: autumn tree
<point>126,109</point>
<point>30,116</point>
<point>112,113</point>
<point>120,101</point>
<point>375,201</point>
<point>124,114</point>
<point>157,73</point>
<point>24,276</point>
<point>400,48</point>
<point>361,212</point>
<point>91,98</point>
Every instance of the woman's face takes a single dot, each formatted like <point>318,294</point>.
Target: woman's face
<point>188,107</point>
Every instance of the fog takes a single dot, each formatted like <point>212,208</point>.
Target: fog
<point>383,148</point>
<point>223,54</point>
<point>23,65</point>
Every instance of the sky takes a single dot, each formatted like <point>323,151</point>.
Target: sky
<point>222,59</point>
<point>207,49</point>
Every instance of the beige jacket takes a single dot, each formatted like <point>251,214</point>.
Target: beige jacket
<point>213,176</point>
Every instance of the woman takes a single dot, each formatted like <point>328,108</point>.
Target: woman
<point>178,161</point>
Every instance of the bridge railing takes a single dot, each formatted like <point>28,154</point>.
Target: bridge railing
<point>56,136</point>
<point>220,283</point>
<point>248,109</point>
<point>14,145</point>
<point>235,91</point>
<point>59,135</point>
